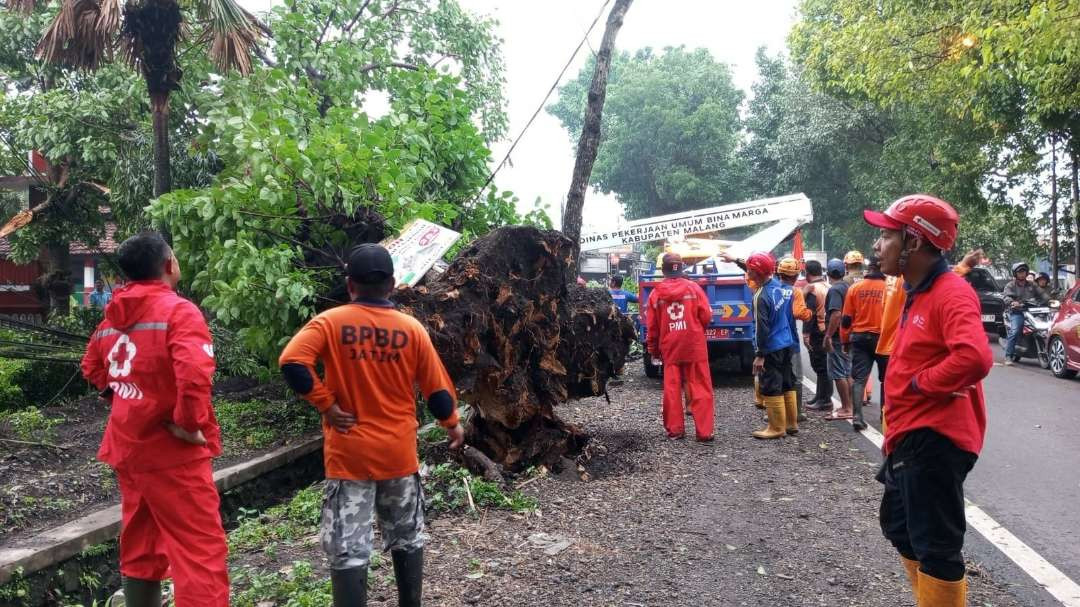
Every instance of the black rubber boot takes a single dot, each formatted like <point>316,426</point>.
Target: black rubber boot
<point>830,387</point>
<point>141,593</point>
<point>349,587</point>
<point>823,399</point>
<point>409,574</point>
<point>857,389</point>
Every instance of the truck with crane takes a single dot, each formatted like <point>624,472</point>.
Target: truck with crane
<point>730,334</point>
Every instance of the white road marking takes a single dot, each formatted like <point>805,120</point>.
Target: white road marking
<point>1066,591</point>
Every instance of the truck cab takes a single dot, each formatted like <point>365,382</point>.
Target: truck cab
<point>755,225</point>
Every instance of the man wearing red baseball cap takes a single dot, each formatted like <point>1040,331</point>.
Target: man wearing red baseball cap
<point>677,313</point>
<point>935,415</point>
<point>774,336</point>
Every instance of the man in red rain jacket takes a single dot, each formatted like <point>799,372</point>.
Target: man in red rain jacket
<point>676,316</point>
<point>153,360</point>
<point>935,415</point>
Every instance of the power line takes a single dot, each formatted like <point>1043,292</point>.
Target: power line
<point>540,108</point>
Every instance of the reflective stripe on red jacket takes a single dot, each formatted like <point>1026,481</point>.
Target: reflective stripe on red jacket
<point>154,353</point>
<point>939,359</point>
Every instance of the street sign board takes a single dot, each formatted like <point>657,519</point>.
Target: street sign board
<point>702,221</point>
<point>419,246</point>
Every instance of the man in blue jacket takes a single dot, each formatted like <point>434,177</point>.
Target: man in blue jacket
<point>772,348</point>
<point>621,298</point>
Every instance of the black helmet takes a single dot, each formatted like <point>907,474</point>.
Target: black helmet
<point>1020,266</point>
<point>1043,275</point>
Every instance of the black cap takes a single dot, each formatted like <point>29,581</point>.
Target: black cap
<point>370,263</point>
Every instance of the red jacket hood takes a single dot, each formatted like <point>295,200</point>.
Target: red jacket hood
<point>130,302</point>
<point>674,288</point>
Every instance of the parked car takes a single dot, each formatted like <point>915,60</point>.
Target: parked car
<point>1063,344</point>
<point>991,300</point>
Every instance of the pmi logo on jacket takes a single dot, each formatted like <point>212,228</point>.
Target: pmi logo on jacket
<point>675,313</point>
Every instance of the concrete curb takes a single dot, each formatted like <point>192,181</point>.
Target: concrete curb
<point>68,540</point>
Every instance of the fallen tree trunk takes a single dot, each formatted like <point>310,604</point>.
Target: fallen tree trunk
<point>518,341</point>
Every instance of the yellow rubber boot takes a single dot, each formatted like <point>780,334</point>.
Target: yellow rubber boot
<point>939,593</point>
<point>759,401</point>
<point>774,408</point>
<point>791,412</point>
<point>911,568</point>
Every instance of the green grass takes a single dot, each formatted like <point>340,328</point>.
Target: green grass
<point>446,492</point>
<point>297,586</point>
<point>285,523</point>
<point>29,424</point>
<point>256,424</point>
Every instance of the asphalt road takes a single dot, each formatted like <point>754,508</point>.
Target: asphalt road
<point>1028,475</point>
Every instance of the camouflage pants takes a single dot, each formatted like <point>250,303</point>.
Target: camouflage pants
<point>349,511</point>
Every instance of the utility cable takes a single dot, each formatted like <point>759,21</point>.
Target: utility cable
<point>540,108</point>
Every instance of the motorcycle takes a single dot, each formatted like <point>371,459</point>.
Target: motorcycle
<point>1032,340</point>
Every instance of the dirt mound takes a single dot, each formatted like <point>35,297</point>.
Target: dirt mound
<point>518,340</point>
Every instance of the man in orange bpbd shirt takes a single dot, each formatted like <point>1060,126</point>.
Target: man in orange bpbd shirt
<point>860,328</point>
<point>373,357</point>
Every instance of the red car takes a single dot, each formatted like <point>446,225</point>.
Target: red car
<point>1064,340</point>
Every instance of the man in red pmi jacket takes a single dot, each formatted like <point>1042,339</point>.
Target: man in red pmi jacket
<point>153,360</point>
<point>677,313</point>
<point>935,417</point>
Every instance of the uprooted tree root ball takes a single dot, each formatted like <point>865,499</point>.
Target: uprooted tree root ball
<point>518,340</point>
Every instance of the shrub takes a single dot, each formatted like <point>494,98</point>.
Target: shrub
<point>255,424</point>
<point>80,321</point>
<point>42,381</point>
<point>11,395</point>
<point>29,424</point>
<point>445,491</point>
<point>233,358</point>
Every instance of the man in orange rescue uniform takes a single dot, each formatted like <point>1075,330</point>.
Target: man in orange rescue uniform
<point>935,415</point>
<point>677,313</point>
<point>860,329</point>
<point>153,360</point>
<point>373,357</point>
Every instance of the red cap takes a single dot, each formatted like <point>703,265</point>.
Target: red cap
<point>932,218</point>
<point>672,264</point>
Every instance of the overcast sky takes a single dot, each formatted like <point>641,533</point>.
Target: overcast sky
<point>540,36</point>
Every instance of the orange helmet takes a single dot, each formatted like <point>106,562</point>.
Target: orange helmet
<point>853,258</point>
<point>789,266</point>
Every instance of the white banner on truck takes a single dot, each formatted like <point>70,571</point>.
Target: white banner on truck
<point>701,221</point>
<point>419,246</point>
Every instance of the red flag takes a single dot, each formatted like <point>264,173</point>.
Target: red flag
<point>797,252</point>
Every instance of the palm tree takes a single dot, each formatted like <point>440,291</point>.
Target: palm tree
<point>87,33</point>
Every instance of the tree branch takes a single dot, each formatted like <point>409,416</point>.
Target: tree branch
<point>375,66</point>
<point>261,54</point>
<point>32,443</point>
<point>326,26</point>
<point>590,133</point>
<point>356,18</point>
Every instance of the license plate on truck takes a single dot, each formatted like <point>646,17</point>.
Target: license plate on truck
<point>989,317</point>
<point>717,333</point>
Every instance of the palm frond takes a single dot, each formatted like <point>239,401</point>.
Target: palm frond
<point>232,33</point>
<point>73,38</point>
<point>24,6</point>
<point>108,22</point>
